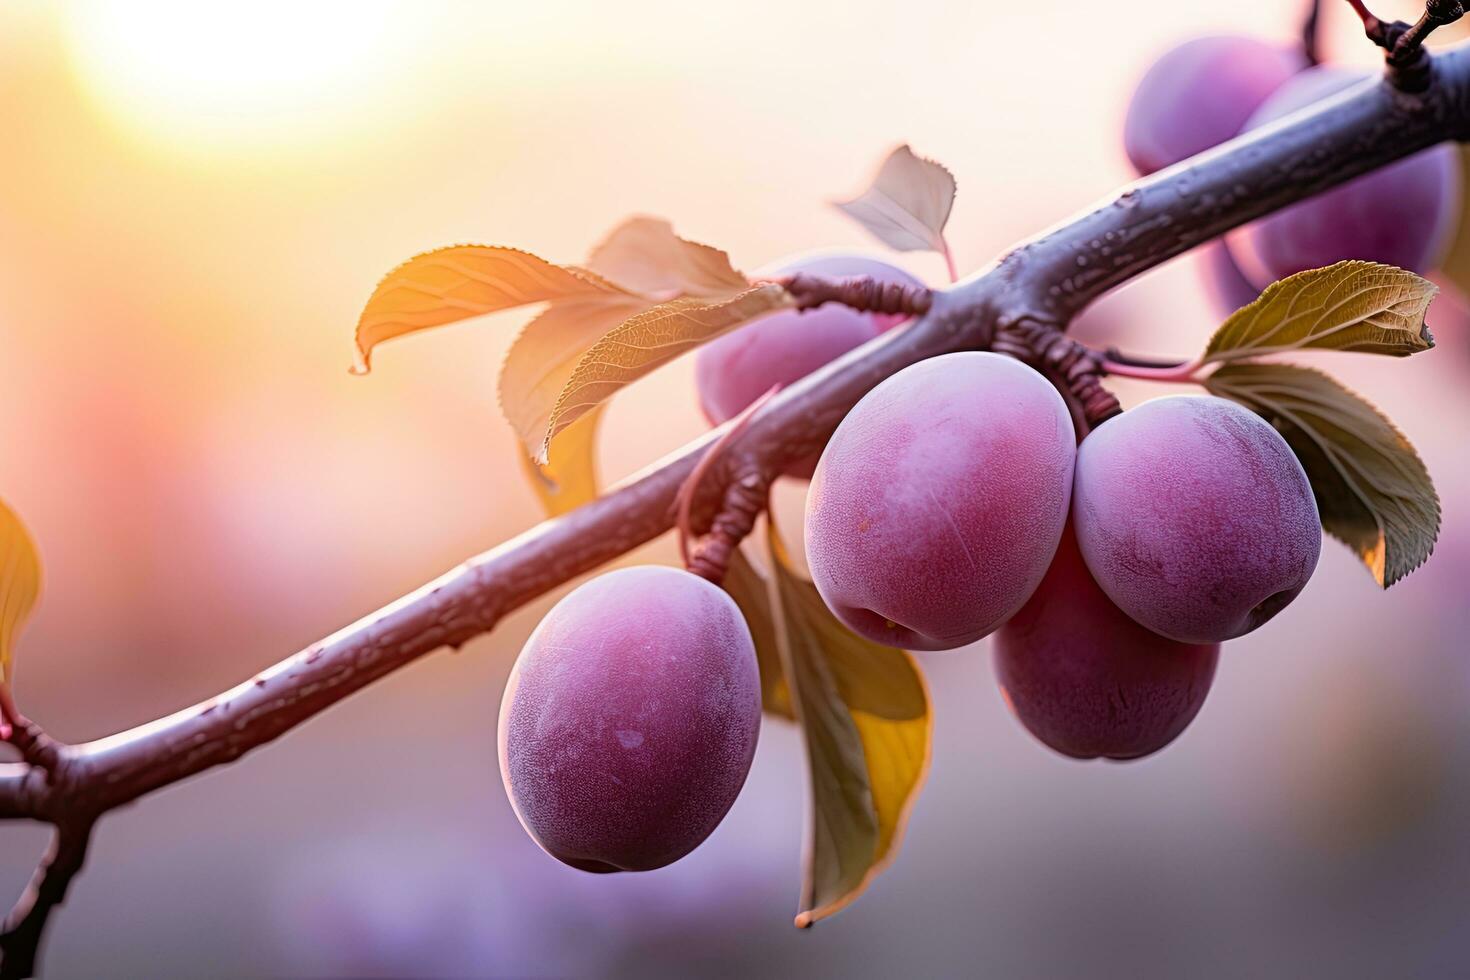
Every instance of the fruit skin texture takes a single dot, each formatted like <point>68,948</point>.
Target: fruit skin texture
<point>630,720</point>
<point>1086,679</point>
<point>1403,214</point>
<point>939,501</point>
<point>1195,517</point>
<point>1200,94</point>
<point>734,370</point>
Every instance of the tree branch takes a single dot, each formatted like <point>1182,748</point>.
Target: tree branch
<point>1039,286</point>
<point>20,938</point>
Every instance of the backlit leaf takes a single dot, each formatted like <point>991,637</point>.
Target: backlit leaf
<point>543,357</point>
<point>569,479</point>
<point>1372,489</point>
<point>463,281</point>
<point>752,593</point>
<point>639,345</point>
<point>644,254</point>
<point>908,204</point>
<point>1349,306</point>
<point>20,583</point>
<point>865,715</point>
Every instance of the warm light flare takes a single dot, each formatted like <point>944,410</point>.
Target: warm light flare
<point>225,76</point>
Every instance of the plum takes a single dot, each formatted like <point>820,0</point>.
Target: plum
<point>1200,94</point>
<point>1089,681</point>
<point>1403,214</point>
<point>938,503</point>
<point>630,720</point>
<point>1195,517</point>
<point>734,370</point>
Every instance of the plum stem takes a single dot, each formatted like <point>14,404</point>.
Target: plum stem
<point>1073,366</point>
<point>708,556</point>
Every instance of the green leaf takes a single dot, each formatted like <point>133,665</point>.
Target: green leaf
<point>908,204</point>
<point>640,344</point>
<point>1372,489</point>
<point>463,281</point>
<point>20,584</point>
<point>865,715</point>
<point>752,593</point>
<point>1349,306</point>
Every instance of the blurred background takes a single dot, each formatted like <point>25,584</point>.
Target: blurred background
<point>195,201</point>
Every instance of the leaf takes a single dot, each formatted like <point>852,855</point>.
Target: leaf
<point>20,583</point>
<point>635,348</point>
<point>462,281</point>
<point>1349,306</point>
<point>544,356</point>
<point>752,593</point>
<point>1372,489</point>
<point>865,715</point>
<point>569,480</point>
<point>908,204</point>
<point>644,254</point>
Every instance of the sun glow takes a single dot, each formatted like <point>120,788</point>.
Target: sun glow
<point>232,77</point>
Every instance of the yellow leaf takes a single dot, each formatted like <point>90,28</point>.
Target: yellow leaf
<point>644,254</point>
<point>569,480</point>
<point>20,584</point>
<point>865,715</point>
<point>636,347</point>
<point>752,593</point>
<point>1349,306</point>
<point>908,204</point>
<point>463,281</point>
<point>543,357</point>
<point>1373,491</point>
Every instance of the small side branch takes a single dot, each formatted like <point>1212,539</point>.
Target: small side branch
<point>20,940</point>
<point>35,746</point>
<point>1403,43</point>
<point>708,555</point>
<point>859,292</point>
<point>1375,29</point>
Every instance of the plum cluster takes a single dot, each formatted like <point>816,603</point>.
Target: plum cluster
<point>1211,89</point>
<point>954,502</point>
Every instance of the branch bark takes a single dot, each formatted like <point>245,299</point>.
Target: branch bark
<point>1043,282</point>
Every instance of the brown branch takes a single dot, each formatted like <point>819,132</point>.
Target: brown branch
<point>1043,283</point>
<point>20,937</point>
<point>1375,29</point>
<point>860,293</point>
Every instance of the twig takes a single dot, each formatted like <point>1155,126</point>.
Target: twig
<point>709,556</point>
<point>860,293</point>
<point>20,940</point>
<point>35,746</point>
<point>1375,29</point>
